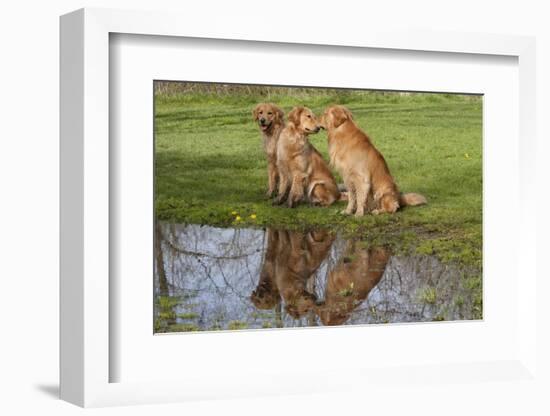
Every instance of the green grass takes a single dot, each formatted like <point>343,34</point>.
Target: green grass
<point>210,167</point>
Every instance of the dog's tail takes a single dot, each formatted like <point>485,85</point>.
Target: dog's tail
<point>312,186</point>
<point>412,199</point>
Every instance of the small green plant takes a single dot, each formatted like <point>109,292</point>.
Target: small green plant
<point>428,295</point>
<point>348,291</point>
<point>183,328</point>
<point>233,325</point>
<point>167,302</point>
<point>187,315</point>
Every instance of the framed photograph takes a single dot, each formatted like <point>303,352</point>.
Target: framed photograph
<point>227,198</point>
<point>238,245</point>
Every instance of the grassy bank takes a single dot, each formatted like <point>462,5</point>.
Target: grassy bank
<point>210,168</point>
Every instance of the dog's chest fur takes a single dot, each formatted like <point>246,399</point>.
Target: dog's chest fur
<point>270,142</point>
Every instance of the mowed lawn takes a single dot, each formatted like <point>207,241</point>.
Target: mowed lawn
<point>210,166</point>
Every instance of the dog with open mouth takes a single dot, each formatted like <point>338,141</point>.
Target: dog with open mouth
<point>270,119</point>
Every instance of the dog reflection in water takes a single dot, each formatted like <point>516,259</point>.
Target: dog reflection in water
<point>290,262</point>
<point>358,271</point>
<point>266,295</point>
<point>300,255</point>
<point>291,259</point>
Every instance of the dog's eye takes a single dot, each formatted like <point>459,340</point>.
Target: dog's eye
<point>270,113</point>
<point>308,116</point>
<point>261,112</point>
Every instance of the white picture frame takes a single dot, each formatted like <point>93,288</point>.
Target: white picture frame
<point>86,265</point>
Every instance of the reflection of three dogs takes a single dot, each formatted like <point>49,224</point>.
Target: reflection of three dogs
<point>299,171</point>
<point>291,258</point>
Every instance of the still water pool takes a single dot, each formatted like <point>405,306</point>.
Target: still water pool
<point>210,279</point>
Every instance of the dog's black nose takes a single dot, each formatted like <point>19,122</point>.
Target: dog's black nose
<point>262,120</point>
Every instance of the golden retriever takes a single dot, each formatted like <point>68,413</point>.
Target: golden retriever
<point>266,295</point>
<point>299,255</point>
<point>270,119</point>
<point>350,282</point>
<point>299,164</point>
<point>362,166</point>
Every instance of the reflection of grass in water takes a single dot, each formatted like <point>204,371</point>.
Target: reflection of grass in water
<point>167,302</point>
<point>166,318</point>
<point>428,295</point>
<point>233,325</point>
<point>474,285</point>
<point>347,291</point>
<point>187,315</point>
<point>166,315</point>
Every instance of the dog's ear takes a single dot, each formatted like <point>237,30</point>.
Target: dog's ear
<point>279,114</point>
<point>294,115</point>
<point>347,113</point>
<point>340,115</point>
<point>255,112</point>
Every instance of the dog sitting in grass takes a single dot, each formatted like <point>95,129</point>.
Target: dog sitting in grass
<point>302,170</point>
<point>270,119</point>
<point>364,170</point>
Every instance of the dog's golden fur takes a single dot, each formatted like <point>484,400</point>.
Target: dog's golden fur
<point>363,168</point>
<point>266,295</point>
<point>299,164</point>
<point>270,119</point>
<point>321,189</point>
<point>298,257</point>
<point>290,261</point>
<point>349,283</point>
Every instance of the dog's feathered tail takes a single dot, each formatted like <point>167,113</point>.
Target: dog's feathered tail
<point>411,199</point>
<point>312,186</point>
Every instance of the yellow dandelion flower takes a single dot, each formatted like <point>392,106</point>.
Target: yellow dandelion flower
<point>253,216</point>
<point>234,213</point>
<point>237,218</point>
<point>466,155</point>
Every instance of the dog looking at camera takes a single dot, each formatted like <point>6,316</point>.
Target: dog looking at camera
<point>363,168</point>
<point>270,119</point>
